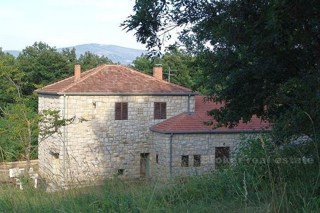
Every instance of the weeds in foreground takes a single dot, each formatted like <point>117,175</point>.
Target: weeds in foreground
<point>262,178</point>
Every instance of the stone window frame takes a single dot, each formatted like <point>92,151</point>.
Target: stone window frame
<point>184,160</point>
<point>121,110</point>
<point>196,160</point>
<point>160,110</point>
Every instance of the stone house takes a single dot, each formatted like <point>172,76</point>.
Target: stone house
<point>135,126</point>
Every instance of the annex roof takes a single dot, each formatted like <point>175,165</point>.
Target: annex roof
<point>113,80</point>
<point>196,122</point>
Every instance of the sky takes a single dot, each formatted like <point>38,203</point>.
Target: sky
<point>65,23</point>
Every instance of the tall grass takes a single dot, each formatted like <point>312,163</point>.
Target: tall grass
<point>263,178</point>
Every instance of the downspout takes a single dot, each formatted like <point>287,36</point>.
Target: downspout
<point>189,104</point>
<point>170,165</point>
<point>64,138</point>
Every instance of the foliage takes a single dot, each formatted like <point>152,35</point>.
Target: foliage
<point>90,60</point>
<point>254,185</point>
<point>70,56</point>
<point>36,66</point>
<point>145,64</point>
<point>18,132</point>
<point>41,64</point>
<point>259,57</point>
<point>179,67</point>
<point>10,79</point>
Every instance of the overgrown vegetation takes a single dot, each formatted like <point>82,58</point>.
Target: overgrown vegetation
<point>263,178</point>
<point>36,66</point>
<point>258,57</point>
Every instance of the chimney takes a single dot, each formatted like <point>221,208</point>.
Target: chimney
<point>77,72</point>
<point>157,71</point>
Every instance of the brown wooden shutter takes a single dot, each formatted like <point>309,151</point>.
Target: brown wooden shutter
<point>124,111</point>
<point>160,110</point>
<point>163,110</point>
<point>118,111</point>
<point>157,110</point>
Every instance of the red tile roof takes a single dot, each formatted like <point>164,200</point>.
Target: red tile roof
<point>195,122</point>
<point>113,79</point>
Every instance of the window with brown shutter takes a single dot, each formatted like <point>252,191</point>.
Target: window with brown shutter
<point>121,111</point>
<point>160,110</point>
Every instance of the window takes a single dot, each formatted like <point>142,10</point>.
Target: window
<point>184,160</point>
<point>157,158</point>
<point>160,110</point>
<point>222,157</point>
<point>197,160</point>
<point>121,111</point>
<point>140,111</point>
<point>120,171</point>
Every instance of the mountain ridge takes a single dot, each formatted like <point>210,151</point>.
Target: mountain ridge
<point>117,54</point>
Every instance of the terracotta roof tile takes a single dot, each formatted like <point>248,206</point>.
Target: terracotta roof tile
<point>113,79</point>
<point>195,122</point>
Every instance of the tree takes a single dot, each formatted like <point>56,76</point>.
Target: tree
<point>144,64</point>
<point>179,67</point>
<point>19,132</point>
<point>177,63</point>
<point>258,57</point>
<point>70,56</point>
<point>89,60</point>
<point>42,64</point>
<point>10,78</point>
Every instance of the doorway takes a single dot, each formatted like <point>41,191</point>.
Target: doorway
<point>144,165</point>
<point>222,157</point>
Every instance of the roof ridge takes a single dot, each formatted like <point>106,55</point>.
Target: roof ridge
<point>149,76</point>
<point>151,84</point>
<point>94,71</point>
<point>66,79</point>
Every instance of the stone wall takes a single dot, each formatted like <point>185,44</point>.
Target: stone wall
<point>98,146</point>
<point>49,165</point>
<point>189,145</point>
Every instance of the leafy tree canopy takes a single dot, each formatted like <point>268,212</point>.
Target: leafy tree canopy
<point>178,67</point>
<point>259,57</point>
<point>10,79</point>
<point>41,64</point>
<point>89,60</point>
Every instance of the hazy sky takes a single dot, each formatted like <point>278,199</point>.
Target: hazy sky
<point>63,23</point>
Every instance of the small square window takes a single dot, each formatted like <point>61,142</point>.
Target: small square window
<point>157,158</point>
<point>185,160</point>
<point>197,160</point>
<point>120,171</point>
<point>140,111</point>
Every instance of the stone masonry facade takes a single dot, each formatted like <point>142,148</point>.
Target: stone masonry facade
<point>96,146</point>
<point>169,163</point>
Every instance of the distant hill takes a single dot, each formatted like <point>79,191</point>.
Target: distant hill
<point>117,54</point>
<point>12,52</point>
